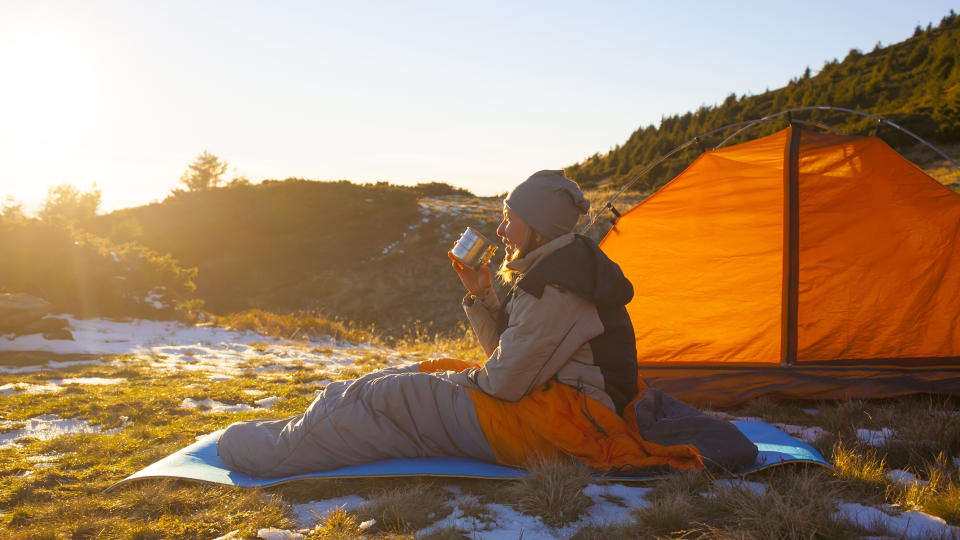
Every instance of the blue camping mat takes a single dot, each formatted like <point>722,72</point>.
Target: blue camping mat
<point>200,462</point>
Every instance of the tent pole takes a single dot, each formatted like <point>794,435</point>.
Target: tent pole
<point>791,247</point>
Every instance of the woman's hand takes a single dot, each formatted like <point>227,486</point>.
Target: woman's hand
<point>475,281</point>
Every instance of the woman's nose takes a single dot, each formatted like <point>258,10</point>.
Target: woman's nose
<point>500,229</point>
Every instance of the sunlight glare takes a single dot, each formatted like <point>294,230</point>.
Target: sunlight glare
<point>53,95</point>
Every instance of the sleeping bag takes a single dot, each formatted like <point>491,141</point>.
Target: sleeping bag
<point>561,379</point>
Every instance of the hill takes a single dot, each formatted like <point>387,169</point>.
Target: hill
<point>374,254</point>
<point>914,83</point>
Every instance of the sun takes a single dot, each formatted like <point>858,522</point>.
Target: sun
<point>52,92</point>
<point>52,104</point>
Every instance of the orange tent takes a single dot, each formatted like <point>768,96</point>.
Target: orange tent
<point>800,264</point>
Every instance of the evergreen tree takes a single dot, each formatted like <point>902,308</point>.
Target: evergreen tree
<point>66,202</point>
<point>204,173</point>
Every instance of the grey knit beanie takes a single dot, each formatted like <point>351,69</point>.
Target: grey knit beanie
<point>549,203</point>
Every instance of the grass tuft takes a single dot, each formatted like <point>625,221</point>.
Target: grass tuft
<point>676,505</point>
<point>861,470</point>
<point>405,510</point>
<point>794,506</point>
<point>554,492</point>
<point>339,524</point>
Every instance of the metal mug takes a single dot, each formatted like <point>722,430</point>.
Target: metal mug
<point>473,249</point>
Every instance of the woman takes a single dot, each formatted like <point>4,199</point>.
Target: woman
<point>561,371</point>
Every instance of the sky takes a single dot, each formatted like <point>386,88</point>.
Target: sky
<point>122,95</point>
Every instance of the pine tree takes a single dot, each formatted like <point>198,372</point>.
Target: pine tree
<point>204,173</point>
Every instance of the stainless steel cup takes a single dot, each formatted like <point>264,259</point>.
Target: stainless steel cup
<point>473,249</point>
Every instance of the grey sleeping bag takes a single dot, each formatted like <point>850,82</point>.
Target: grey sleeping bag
<point>394,413</point>
<point>665,420</point>
<point>402,413</point>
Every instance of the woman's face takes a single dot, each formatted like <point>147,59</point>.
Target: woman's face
<point>512,231</point>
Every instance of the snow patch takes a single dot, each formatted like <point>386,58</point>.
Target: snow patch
<point>732,418</point>
<point>87,380</point>
<point>12,389</point>
<point>219,353</point>
<point>755,488</point>
<point>873,437</point>
<point>268,402</point>
<point>811,412</point>
<point>808,434</point>
<point>911,524</point>
<point>51,458</point>
<point>906,478</point>
<point>505,522</point>
<point>308,514</point>
<point>211,406</point>
<point>44,427</point>
<point>154,296</point>
<point>278,534</point>
<point>52,364</point>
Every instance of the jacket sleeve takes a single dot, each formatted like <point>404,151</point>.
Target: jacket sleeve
<point>543,335</point>
<point>483,313</point>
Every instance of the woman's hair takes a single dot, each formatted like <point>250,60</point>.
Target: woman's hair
<point>531,241</point>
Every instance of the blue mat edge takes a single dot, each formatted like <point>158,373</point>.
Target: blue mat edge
<point>775,446</point>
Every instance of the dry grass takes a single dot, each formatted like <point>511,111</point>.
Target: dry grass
<point>64,500</point>
<point>554,492</point>
<point>291,326</point>
<point>405,510</point>
<point>933,164</point>
<point>861,469</point>
<point>339,524</point>
<point>797,504</point>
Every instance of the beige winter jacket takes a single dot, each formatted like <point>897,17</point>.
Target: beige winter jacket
<point>547,338</point>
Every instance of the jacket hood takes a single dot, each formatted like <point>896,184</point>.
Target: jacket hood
<point>583,269</point>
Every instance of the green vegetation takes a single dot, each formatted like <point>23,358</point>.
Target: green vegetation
<point>204,173</point>
<point>915,83</point>
<point>373,254</point>
<point>53,257</point>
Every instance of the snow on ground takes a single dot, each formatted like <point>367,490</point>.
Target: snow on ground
<point>730,417</point>
<point>45,460</point>
<point>463,206</point>
<point>52,385</point>
<point>87,380</point>
<point>52,364</point>
<point>171,346</point>
<point>45,426</point>
<point>910,524</point>
<point>268,402</point>
<point>906,478</point>
<point>875,437</point>
<point>278,534</point>
<point>807,434</point>
<point>12,389</point>
<point>746,486</point>
<point>502,522</point>
<point>308,514</point>
<point>211,406</point>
